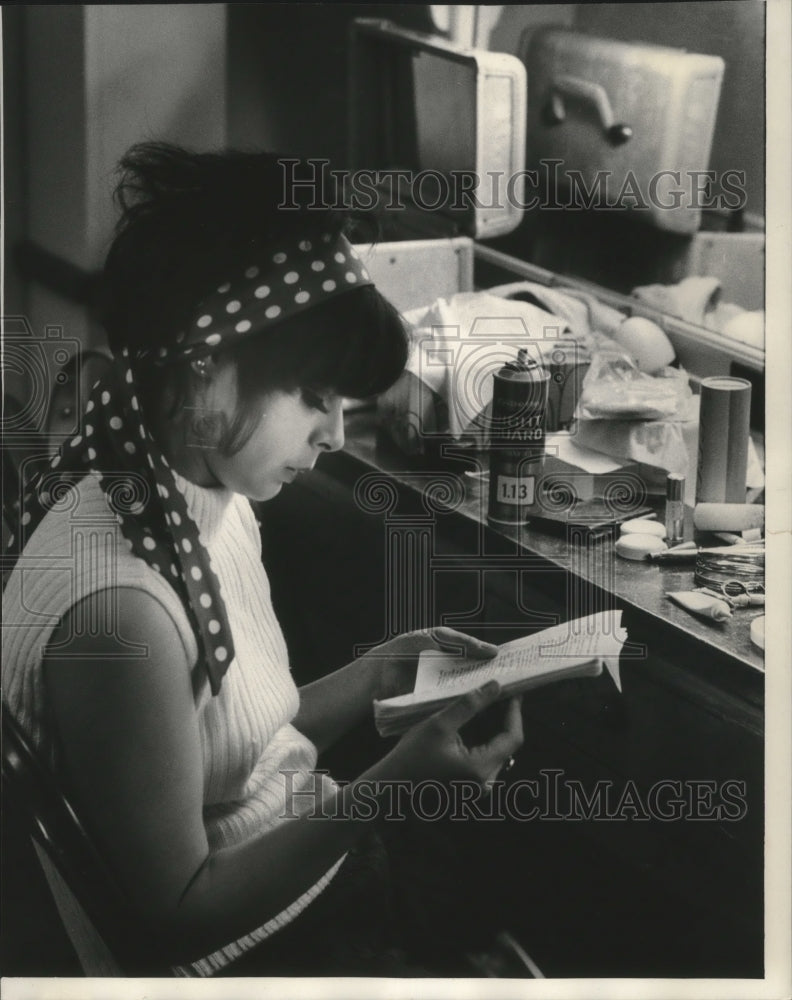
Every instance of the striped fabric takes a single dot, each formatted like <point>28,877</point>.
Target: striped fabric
<point>246,736</point>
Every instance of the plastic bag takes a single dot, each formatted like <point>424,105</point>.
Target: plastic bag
<point>615,389</point>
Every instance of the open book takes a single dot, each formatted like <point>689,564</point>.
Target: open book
<point>576,648</point>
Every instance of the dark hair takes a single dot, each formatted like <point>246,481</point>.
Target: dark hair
<point>187,219</point>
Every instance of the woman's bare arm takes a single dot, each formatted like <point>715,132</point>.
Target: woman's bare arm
<point>129,735</point>
<point>128,730</point>
<point>331,705</point>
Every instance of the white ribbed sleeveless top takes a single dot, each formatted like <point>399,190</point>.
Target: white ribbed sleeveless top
<point>247,739</point>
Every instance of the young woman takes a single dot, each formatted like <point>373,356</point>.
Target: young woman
<point>142,653</point>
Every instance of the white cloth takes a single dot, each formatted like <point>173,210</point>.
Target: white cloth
<point>458,343</point>
<point>698,300</point>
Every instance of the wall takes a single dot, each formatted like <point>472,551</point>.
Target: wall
<point>14,173</point>
<point>151,71</point>
<point>87,82</point>
<point>47,82</point>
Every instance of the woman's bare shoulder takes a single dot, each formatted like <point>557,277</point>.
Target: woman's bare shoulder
<point>113,653</point>
<point>123,706</point>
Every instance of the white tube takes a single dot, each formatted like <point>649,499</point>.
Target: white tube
<point>728,516</point>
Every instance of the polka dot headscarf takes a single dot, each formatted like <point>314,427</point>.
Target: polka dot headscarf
<point>115,445</point>
<point>287,281</point>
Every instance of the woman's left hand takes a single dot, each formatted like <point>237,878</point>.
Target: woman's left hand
<point>396,661</point>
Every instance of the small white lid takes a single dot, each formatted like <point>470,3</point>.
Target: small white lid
<point>634,546</point>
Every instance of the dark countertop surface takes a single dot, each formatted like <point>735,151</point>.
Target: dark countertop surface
<point>639,587</point>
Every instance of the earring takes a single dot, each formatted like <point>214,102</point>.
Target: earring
<point>204,428</point>
<point>200,367</point>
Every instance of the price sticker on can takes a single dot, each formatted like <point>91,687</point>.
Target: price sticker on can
<point>515,490</point>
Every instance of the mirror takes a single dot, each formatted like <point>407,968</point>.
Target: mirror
<point>275,49</point>
<point>619,249</point>
<point>431,124</point>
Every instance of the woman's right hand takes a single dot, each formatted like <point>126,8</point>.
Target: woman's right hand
<point>434,749</point>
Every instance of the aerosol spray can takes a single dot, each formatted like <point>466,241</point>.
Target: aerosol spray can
<point>517,438</point>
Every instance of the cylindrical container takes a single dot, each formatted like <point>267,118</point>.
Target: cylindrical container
<point>675,508</point>
<point>567,364</point>
<point>728,516</point>
<point>724,426</point>
<point>517,438</point>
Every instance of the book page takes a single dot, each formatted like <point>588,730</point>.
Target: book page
<point>442,674</point>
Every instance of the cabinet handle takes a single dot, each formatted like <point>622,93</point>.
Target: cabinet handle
<point>554,112</point>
